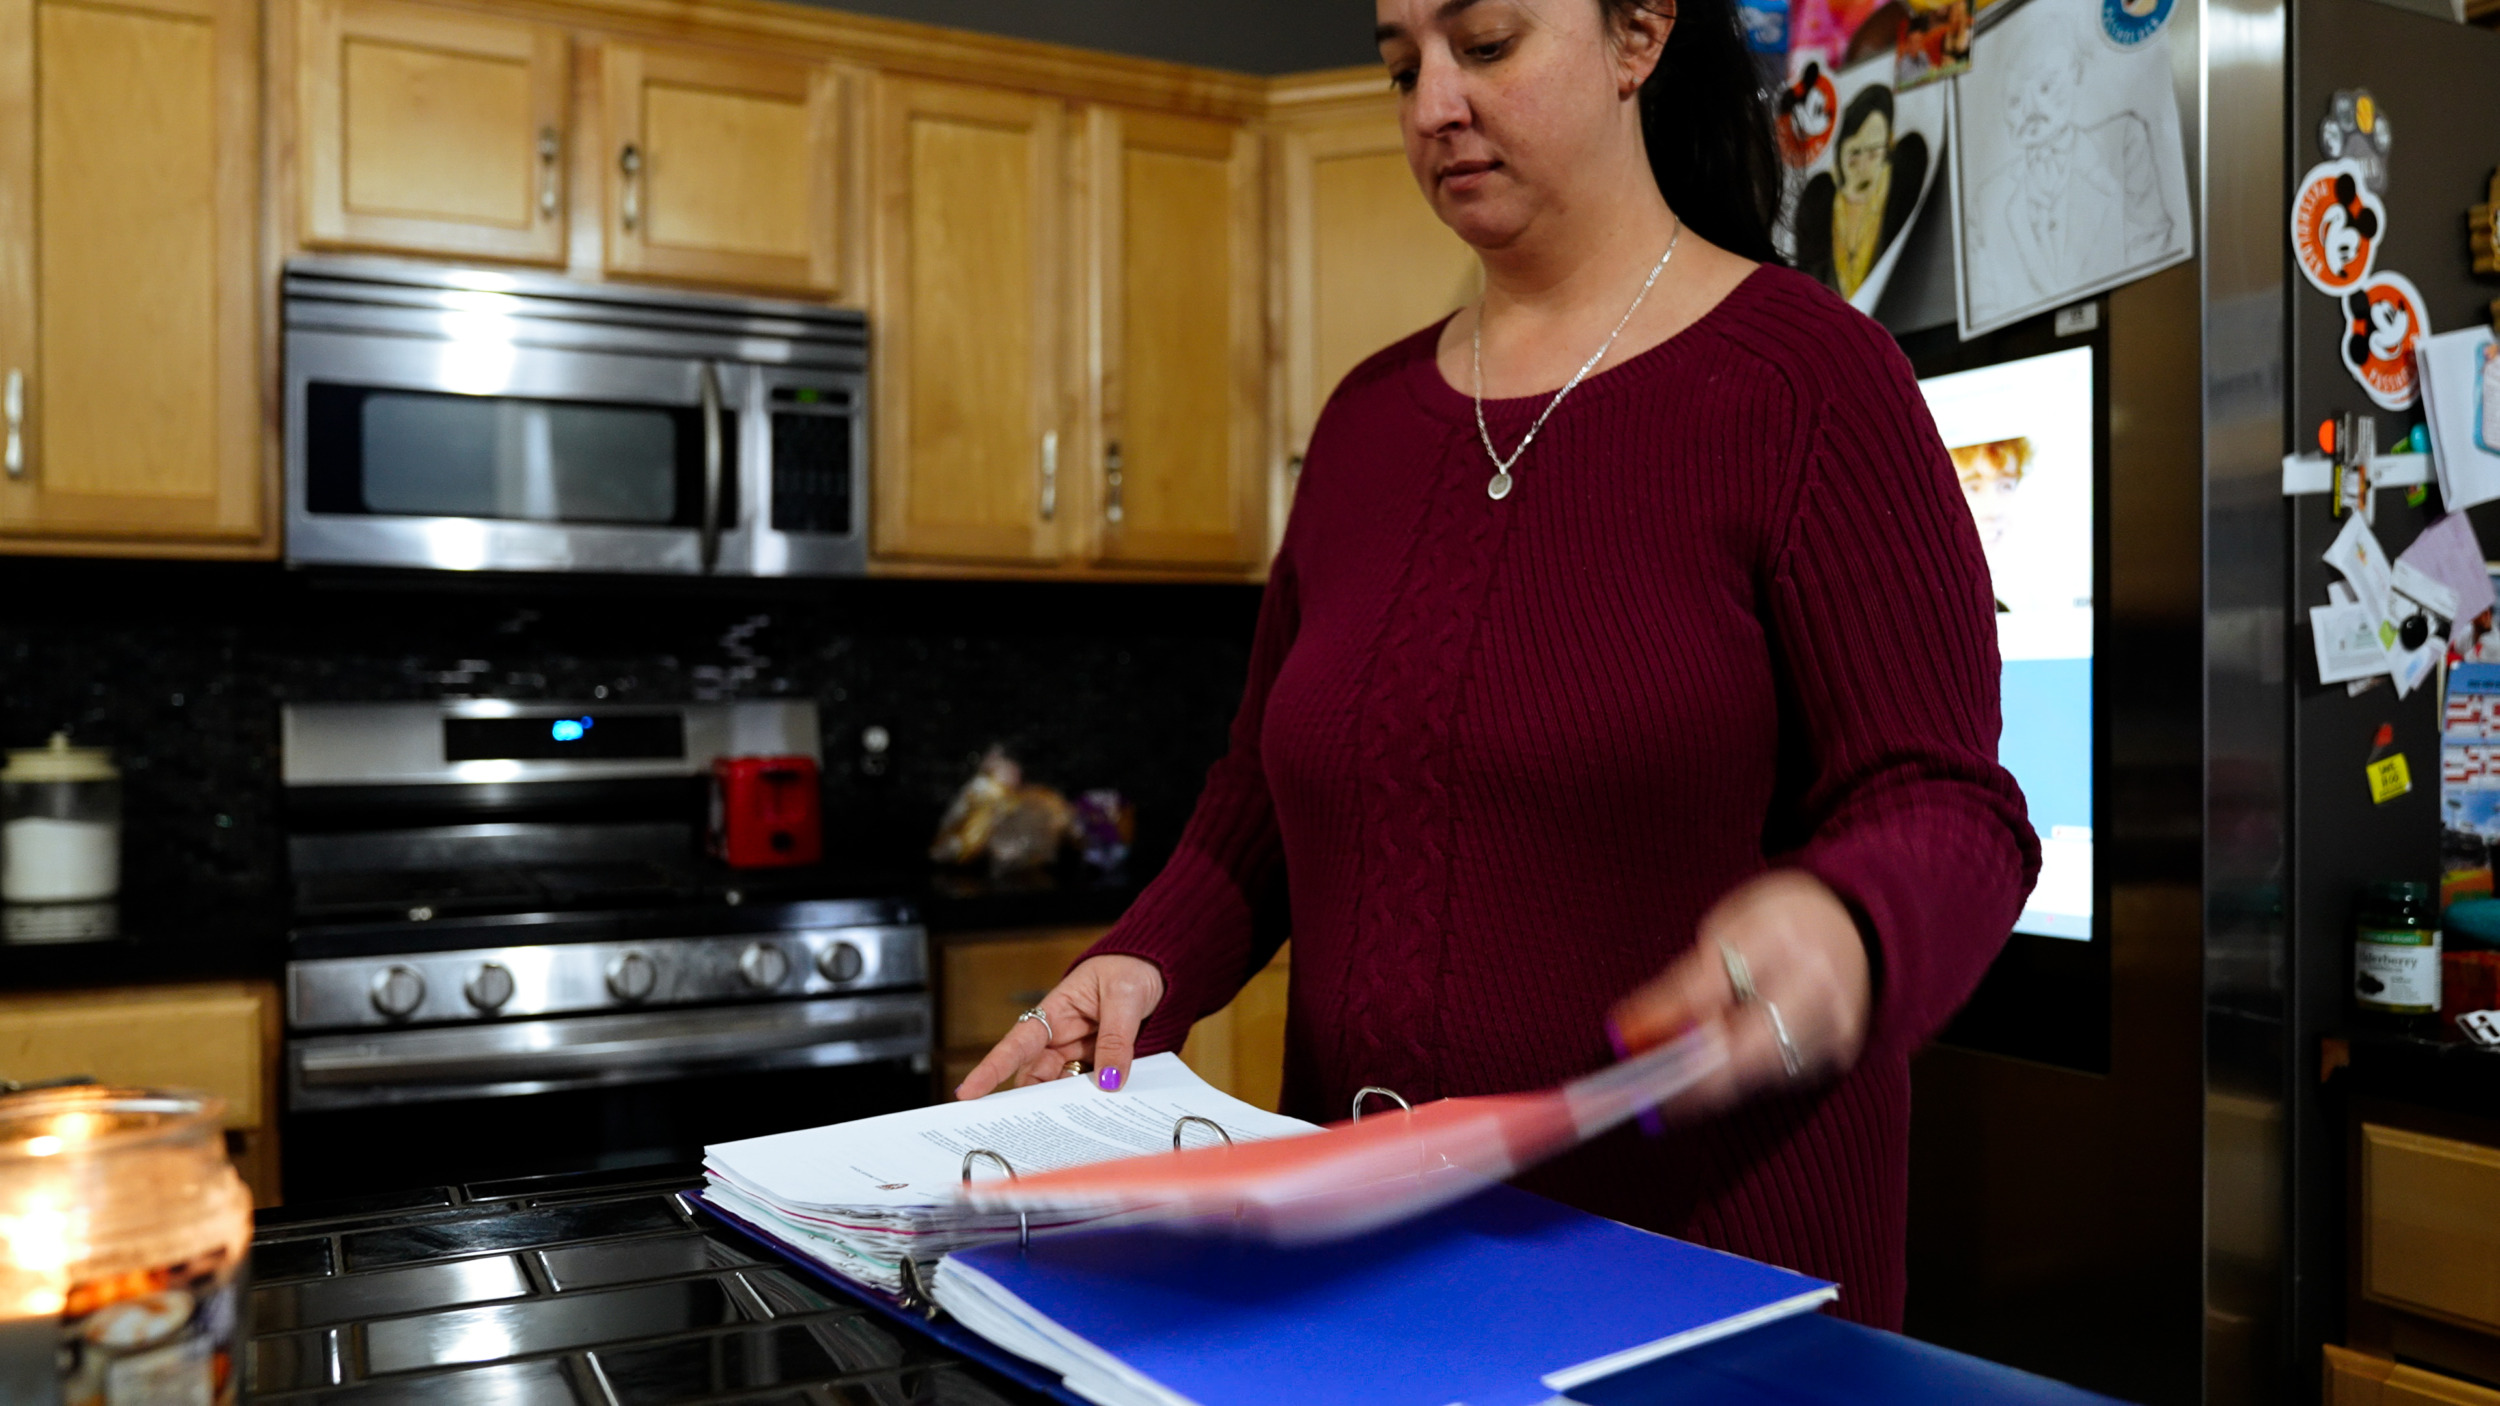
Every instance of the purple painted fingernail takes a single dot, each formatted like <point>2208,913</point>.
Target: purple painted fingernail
<point>1614,1037</point>
<point>1109,1079</point>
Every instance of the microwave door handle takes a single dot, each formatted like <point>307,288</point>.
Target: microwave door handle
<point>710,382</point>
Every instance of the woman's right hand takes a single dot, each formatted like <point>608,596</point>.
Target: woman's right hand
<point>1094,1015</point>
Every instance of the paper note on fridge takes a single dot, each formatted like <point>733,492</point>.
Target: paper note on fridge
<point>2357,554</point>
<point>2460,376</point>
<point>2348,642</point>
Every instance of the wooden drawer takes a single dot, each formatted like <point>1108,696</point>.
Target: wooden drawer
<point>990,979</point>
<point>2357,1379</point>
<point>215,1039</point>
<point>2430,1225</point>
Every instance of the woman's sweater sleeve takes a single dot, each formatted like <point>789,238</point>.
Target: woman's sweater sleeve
<point>1211,919</point>
<point>1886,627</point>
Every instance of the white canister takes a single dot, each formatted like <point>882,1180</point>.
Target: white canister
<point>60,824</point>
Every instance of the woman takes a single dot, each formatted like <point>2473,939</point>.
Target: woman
<point>1699,691</point>
<point>1844,227</point>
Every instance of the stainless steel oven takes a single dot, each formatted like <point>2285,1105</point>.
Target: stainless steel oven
<point>470,420</point>
<point>510,954</point>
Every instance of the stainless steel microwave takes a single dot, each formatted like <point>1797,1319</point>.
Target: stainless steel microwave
<point>470,420</point>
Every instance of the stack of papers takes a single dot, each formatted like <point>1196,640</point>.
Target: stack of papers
<point>861,1197</point>
<point>2460,376</point>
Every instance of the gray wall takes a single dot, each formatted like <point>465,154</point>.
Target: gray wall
<point>1250,36</point>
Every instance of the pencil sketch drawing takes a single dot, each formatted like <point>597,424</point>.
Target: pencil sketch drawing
<point>2071,173</point>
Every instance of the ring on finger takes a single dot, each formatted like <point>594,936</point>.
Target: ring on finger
<point>1072,1069</point>
<point>1035,1013</point>
<point>1790,1059</point>
<point>1739,974</point>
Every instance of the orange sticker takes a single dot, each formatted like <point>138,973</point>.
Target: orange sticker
<point>2384,322</point>
<point>2337,223</point>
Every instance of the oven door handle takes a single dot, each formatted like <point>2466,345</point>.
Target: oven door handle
<point>710,388</point>
<point>540,1050</point>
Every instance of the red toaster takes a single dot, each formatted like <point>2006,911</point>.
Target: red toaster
<point>766,812</point>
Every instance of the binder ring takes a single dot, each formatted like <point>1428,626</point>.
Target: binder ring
<point>1024,1221</point>
<point>913,1297</point>
<point>1367,1091</point>
<point>1181,1124</point>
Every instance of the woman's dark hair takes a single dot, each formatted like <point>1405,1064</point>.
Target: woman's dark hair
<point>1708,126</point>
<point>1877,99</point>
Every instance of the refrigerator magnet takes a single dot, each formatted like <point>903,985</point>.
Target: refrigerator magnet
<point>2384,321</point>
<point>2337,222</point>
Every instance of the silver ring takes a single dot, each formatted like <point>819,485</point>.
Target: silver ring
<point>1790,1060</point>
<point>1035,1013</point>
<point>1739,975</point>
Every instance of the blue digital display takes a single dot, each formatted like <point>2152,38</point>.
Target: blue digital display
<point>570,729</point>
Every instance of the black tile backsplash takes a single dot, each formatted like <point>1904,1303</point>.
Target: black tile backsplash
<point>180,668</point>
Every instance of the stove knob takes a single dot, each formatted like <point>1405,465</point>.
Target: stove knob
<point>632,977</point>
<point>764,965</point>
<point>490,987</point>
<point>841,962</point>
<point>398,991</point>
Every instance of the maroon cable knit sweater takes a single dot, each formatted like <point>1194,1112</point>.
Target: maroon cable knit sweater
<point>1495,759</point>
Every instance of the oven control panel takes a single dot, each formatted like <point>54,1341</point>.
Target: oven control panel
<point>494,983</point>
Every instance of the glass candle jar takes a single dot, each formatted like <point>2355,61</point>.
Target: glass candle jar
<point>123,1232</point>
<point>60,824</point>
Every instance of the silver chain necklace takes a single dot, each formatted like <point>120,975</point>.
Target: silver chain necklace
<point>1499,488</point>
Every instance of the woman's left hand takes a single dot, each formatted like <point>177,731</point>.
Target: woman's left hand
<point>1802,949</point>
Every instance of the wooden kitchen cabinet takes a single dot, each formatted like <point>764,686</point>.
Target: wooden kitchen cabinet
<point>129,354</point>
<point>2358,1379</point>
<point>723,168</point>
<point>427,130</point>
<point>970,303</point>
<point>1241,1048</point>
<point>1363,258</point>
<point>1174,283</point>
<point>218,1038</point>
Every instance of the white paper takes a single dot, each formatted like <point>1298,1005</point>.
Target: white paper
<point>2448,553</point>
<point>2348,642</point>
<point>2070,171</point>
<point>2424,590</point>
<point>2357,554</point>
<point>915,1158</point>
<point>2464,418</point>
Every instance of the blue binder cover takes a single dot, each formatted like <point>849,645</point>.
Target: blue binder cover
<point>1812,1360</point>
<point>1502,1299</point>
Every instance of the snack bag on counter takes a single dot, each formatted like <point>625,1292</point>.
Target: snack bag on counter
<point>1017,826</point>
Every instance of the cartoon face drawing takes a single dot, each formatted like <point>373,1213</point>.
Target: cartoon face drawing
<point>1862,157</point>
<point>2040,97</point>
<point>2391,328</point>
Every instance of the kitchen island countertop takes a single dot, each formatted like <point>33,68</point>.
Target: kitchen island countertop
<point>604,1290</point>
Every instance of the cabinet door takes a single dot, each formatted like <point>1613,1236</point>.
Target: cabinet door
<point>1365,259</point>
<point>128,166</point>
<point>969,301</point>
<point>1174,303</point>
<point>431,131</point>
<point>723,169</point>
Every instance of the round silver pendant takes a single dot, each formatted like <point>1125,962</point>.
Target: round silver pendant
<point>1499,488</point>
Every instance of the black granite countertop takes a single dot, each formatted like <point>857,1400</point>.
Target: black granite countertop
<point>596,1289</point>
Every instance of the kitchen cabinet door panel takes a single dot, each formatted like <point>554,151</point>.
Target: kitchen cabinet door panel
<point>129,297</point>
<point>968,303</point>
<point>1365,260</point>
<point>724,169</point>
<point>1177,282</point>
<point>431,131</point>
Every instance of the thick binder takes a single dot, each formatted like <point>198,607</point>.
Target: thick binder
<point>1501,1299</point>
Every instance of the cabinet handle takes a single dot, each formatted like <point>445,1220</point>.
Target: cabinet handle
<point>549,148</point>
<point>1293,465</point>
<point>1050,474</point>
<point>1111,508</point>
<point>14,399</point>
<point>629,161</point>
